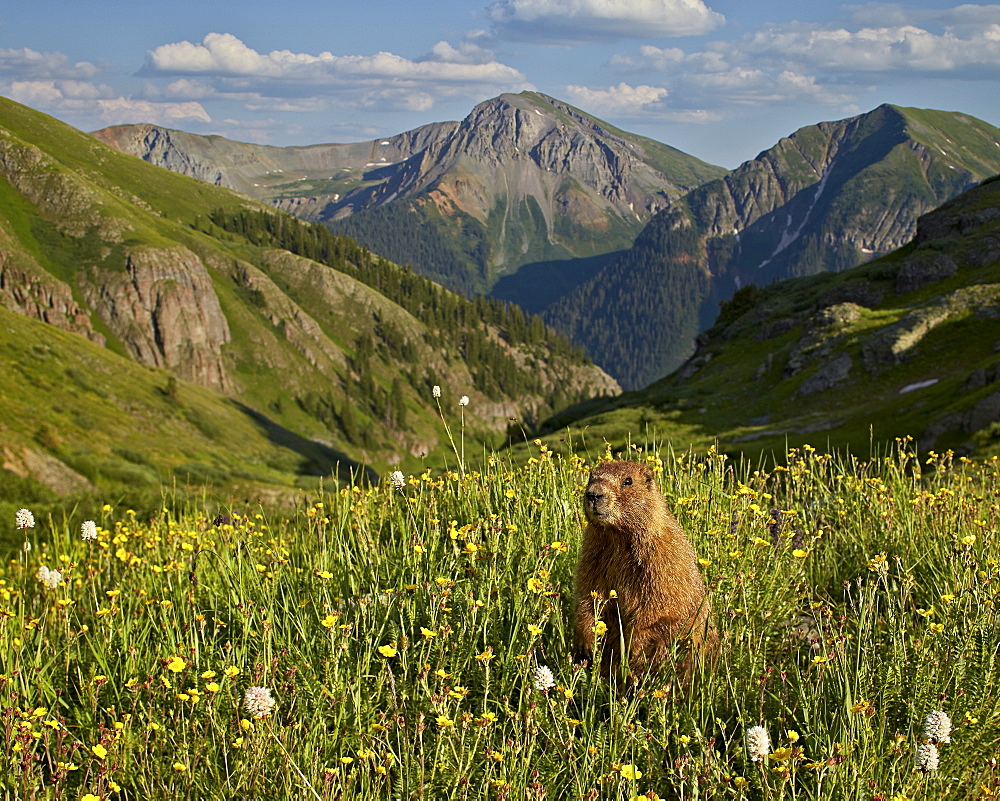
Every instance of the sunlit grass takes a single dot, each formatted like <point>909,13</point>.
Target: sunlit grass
<point>399,631</point>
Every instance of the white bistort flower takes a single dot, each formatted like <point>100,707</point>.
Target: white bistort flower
<point>50,578</point>
<point>436,391</point>
<point>927,757</point>
<point>758,743</point>
<point>89,530</point>
<point>23,518</point>
<point>937,727</point>
<point>257,702</point>
<point>463,401</point>
<point>398,479</point>
<point>542,678</point>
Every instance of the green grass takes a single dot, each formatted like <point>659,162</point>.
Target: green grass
<point>398,630</point>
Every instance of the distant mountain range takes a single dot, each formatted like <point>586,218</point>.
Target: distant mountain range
<point>270,348</point>
<point>623,244</point>
<point>904,345</point>
<point>828,197</point>
<point>522,179</point>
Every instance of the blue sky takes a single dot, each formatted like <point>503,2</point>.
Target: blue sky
<point>720,79</point>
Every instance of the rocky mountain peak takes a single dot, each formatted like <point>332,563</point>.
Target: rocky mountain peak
<point>522,178</point>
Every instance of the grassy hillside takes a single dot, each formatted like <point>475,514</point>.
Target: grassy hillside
<point>903,345</point>
<point>78,417</point>
<point>389,641</point>
<point>306,331</point>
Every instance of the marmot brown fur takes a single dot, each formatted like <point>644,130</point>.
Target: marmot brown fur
<point>639,571</point>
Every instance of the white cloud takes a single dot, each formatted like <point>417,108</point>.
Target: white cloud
<point>222,55</point>
<point>828,65</point>
<point>466,53</point>
<point>97,104</point>
<point>670,59</point>
<point>897,48</point>
<point>620,99</point>
<point>50,94</point>
<point>121,110</point>
<point>26,64</point>
<point>564,21</point>
<point>749,86</point>
<point>221,67</point>
<point>874,15</point>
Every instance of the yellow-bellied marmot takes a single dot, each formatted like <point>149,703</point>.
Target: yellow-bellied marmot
<point>639,571</point>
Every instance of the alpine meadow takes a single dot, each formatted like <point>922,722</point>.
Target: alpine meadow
<point>295,443</point>
<point>411,639</point>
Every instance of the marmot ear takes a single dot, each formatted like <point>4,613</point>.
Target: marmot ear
<point>647,473</point>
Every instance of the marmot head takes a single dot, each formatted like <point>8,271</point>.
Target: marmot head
<point>622,495</point>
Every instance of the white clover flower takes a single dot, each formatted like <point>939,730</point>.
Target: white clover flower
<point>937,727</point>
<point>398,479</point>
<point>758,743</point>
<point>89,530</point>
<point>43,574</point>
<point>436,391</point>
<point>463,401</point>
<point>542,678</point>
<point>257,702</point>
<point>23,518</point>
<point>927,757</point>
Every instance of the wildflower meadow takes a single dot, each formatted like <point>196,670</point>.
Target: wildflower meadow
<point>411,639</point>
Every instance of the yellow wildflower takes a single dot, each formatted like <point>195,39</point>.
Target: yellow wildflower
<point>175,664</point>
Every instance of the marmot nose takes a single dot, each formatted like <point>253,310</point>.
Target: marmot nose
<point>594,497</point>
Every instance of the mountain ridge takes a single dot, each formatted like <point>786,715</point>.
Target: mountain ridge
<point>827,197</point>
<point>904,345</point>
<point>521,178</point>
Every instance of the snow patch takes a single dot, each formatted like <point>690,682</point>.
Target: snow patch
<point>919,385</point>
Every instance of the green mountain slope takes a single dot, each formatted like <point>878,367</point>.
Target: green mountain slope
<point>826,198</point>
<point>523,179</point>
<point>306,332</point>
<point>904,345</point>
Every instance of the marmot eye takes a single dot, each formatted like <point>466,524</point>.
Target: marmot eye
<point>627,482</point>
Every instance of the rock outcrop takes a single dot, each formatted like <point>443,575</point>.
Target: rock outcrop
<point>27,289</point>
<point>43,468</point>
<point>165,312</point>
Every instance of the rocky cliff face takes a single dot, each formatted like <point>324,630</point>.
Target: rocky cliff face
<point>164,310</point>
<point>27,289</point>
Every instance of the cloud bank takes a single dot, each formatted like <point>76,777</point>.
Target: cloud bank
<point>222,55</point>
<point>568,21</point>
<point>829,65</point>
